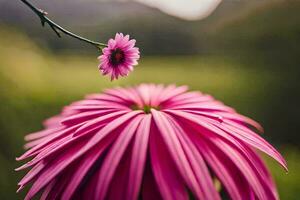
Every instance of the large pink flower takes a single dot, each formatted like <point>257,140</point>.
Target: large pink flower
<point>150,142</point>
<point>119,56</point>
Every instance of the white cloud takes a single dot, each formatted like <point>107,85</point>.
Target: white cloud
<point>186,9</point>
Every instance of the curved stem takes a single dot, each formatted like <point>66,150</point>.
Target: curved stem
<point>56,28</point>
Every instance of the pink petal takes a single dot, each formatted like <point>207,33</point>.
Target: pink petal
<point>113,158</point>
<point>178,155</point>
<point>167,177</point>
<point>197,163</point>
<point>138,158</point>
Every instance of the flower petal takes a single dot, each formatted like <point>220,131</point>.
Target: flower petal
<point>167,177</point>
<point>114,156</point>
<point>138,158</point>
<point>179,157</point>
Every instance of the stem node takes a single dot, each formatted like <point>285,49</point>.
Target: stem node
<point>57,28</point>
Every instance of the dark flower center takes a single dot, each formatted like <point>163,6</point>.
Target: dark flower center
<point>117,57</point>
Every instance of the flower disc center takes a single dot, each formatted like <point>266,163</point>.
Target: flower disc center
<point>117,56</point>
<point>145,108</point>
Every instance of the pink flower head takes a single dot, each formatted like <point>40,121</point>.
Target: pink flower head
<point>148,141</point>
<point>119,56</point>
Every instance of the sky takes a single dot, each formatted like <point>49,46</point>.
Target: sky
<point>186,9</point>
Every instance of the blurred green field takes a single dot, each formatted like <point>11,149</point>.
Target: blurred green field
<point>36,83</point>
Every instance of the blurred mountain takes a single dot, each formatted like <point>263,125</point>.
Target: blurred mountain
<point>271,33</point>
<point>100,20</point>
<point>235,26</point>
<point>91,12</point>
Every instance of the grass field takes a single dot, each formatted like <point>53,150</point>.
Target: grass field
<point>35,84</point>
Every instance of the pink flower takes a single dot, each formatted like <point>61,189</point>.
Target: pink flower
<point>119,56</point>
<point>150,140</point>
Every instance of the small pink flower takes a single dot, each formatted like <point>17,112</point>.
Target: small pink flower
<point>148,141</point>
<point>119,56</point>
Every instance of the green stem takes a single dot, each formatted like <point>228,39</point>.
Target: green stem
<point>56,28</point>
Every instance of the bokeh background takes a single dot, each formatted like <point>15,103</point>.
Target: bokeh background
<point>244,52</point>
